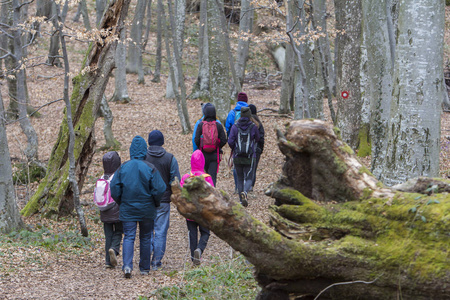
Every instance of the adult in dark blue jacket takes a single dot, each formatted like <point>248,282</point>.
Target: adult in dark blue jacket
<point>167,166</point>
<point>137,187</point>
<point>243,163</point>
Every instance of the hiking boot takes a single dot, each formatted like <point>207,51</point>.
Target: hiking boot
<point>244,200</point>
<point>236,191</point>
<point>109,266</point>
<point>144,272</point>
<point>112,257</point>
<point>127,272</point>
<point>197,256</point>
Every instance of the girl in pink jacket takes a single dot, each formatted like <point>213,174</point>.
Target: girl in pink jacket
<point>197,246</point>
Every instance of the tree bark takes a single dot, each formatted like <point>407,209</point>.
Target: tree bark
<point>159,31</point>
<point>9,213</point>
<point>178,38</point>
<point>135,45</point>
<point>357,233</point>
<point>219,67</point>
<point>348,43</point>
<point>106,113</point>
<point>414,131</point>
<point>200,88</point>
<point>245,31</point>
<point>54,194</point>
<point>120,78</point>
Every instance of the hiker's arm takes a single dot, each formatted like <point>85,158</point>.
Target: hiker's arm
<point>222,135</point>
<point>232,137</point>
<point>229,122</point>
<point>174,170</point>
<point>157,187</point>
<point>115,187</point>
<point>261,139</point>
<point>198,134</point>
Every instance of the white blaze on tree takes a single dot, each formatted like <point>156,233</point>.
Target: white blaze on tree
<point>414,131</point>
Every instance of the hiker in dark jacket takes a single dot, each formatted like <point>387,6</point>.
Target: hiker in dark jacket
<point>260,145</point>
<point>204,105</point>
<point>112,226</point>
<point>212,159</point>
<point>244,164</point>
<point>167,166</point>
<point>137,187</point>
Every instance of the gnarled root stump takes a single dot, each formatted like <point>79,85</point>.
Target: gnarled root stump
<point>388,244</point>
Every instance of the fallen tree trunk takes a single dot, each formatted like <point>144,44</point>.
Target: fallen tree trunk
<point>359,232</point>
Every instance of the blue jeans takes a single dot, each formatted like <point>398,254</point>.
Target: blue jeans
<point>159,235</point>
<point>145,236</point>
<point>194,242</point>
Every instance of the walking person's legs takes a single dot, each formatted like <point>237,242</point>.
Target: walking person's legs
<point>108,229</point>
<point>129,230</point>
<point>145,241</point>
<point>193,236</point>
<point>159,235</point>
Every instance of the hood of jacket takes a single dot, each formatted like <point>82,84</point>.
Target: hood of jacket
<point>240,104</point>
<point>111,162</point>
<point>156,151</point>
<point>197,161</point>
<point>138,148</point>
<point>209,112</point>
<point>244,123</point>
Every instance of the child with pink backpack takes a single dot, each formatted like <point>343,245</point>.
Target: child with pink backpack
<point>197,246</point>
<point>109,210</point>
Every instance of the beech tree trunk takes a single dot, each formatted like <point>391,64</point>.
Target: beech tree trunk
<point>332,223</point>
<point>54,194</point>
<point>9,213</point>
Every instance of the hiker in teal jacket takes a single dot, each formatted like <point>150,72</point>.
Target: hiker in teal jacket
<point>137,187</point>
<point>231,118</point>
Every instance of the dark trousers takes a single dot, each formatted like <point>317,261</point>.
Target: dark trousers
<point>211,165</point>
<point>113,238</point>
<point>194,242</point>
<point>244,174</point>
<point>255,167</point>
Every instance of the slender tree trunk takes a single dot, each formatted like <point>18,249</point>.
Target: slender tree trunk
<point>159,31</point>
<point>245,30</point>
<point>106,113</point>
<point>84,12</point>
<point>348,43</point>
<point>70,151</point>
<point>219,67</point>
<point>414,132</point>
<point>9,213</point>
<point>31,151</point>
<point>100,6</point>
<point>181,99</point>
<point>287,86</point>
<point>149,23</point>
<point>53,53</point>
<point>120,78</point>
<point>201,86</point>
<point>54,194</point>
<point>180,18</point>
<point>135,45</point>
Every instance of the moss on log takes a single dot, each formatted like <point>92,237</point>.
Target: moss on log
<point>363,233</point>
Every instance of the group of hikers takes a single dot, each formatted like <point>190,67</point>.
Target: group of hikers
<point>137,192</point>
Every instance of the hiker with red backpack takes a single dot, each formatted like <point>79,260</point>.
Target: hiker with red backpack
<point>197,246</point>
<point>243,138</point>
<point>204,105</point>
<point>210,138</point>
<point>109,209</point>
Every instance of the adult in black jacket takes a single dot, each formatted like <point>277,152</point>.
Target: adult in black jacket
<point>260,145</point>
<point>212,159</point>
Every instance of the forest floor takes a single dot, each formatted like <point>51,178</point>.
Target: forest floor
<point>39,273</point>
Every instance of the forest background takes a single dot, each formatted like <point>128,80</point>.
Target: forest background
<point>56,261</point>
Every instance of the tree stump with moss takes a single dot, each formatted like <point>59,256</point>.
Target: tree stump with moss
<point>334,230</point>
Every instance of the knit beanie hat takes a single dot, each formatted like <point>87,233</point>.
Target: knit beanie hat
<point>252,109</point>
<point>155,138</point>
<point>242,97</point>
<point>245,112</point>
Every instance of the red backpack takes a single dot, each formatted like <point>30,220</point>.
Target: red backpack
<point>210,140</point>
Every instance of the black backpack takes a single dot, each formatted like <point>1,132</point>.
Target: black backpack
<point>244,143</point>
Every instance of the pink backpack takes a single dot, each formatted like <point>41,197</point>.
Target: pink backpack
<point>102,193</point>
<point>210,140</point>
